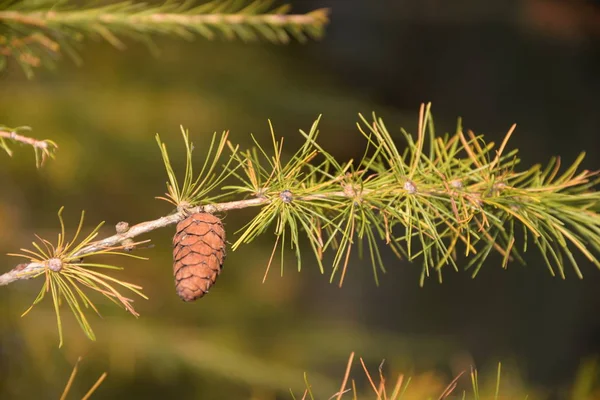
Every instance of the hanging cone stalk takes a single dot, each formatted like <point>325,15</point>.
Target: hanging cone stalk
<point>198,254</point>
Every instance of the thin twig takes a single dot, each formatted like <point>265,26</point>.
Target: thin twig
<point>40,144</point>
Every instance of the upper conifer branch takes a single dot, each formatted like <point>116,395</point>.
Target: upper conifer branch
<point>35,31</point>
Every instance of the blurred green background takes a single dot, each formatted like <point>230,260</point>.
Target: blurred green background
<point>493,63</point>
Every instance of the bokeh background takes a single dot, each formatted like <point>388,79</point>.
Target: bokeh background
<point>493,63</point>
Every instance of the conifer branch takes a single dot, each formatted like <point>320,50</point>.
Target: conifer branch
<point>37,30</point>
<point>43,149</point>
<point>440,198</point>
<point>584,198</point>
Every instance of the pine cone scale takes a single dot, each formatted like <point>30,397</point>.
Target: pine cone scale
<point>184,273</point>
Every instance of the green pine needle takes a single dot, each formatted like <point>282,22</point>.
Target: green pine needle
<point>69,384</point>
<point>195,190</point>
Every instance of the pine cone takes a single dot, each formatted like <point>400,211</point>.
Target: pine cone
<point>198,254</point>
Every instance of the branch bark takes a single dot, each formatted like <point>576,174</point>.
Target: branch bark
<point>53,18</point>
<point>28,270</point>
<point>39,144</point>
<point>44,19</point>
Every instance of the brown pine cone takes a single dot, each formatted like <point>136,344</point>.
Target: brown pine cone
<point>198,254</point>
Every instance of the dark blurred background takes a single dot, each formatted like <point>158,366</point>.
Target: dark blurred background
<point>494,63</point>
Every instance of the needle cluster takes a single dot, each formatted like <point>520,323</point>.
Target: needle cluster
<point>68,275</point>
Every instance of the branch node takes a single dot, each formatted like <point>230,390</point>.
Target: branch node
<point>410,187</point>
<point>210,208</point>
<point>260,194</point>
<point>498,186</point>
<point>55,264</point>
<point>456,184</point>
<point>349,190</point>
<point>183,207</point>
<point>286,196</point>
<point>122,227</point>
